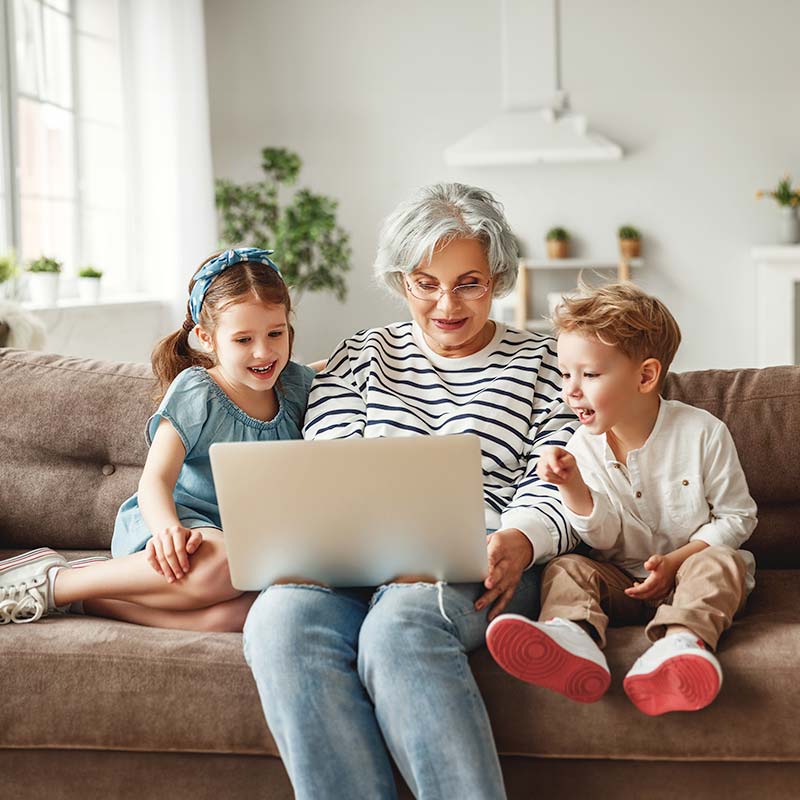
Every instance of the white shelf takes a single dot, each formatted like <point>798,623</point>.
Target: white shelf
<point>776,252</point>
<point>115,301</point>
<point>621,266</point>
<point>577,263</point>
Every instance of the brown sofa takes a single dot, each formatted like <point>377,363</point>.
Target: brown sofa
<point>95,708</point>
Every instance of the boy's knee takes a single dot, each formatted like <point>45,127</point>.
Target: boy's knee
<point>571,563</point>
<point>716,557</point>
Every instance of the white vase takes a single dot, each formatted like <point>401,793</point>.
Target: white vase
<point>790,225</point>
<point>43,288</point>
<point>89,290</point>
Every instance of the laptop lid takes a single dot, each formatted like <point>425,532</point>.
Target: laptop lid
<point>352,512</point>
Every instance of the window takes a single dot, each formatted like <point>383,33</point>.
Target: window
<point>64,190</point>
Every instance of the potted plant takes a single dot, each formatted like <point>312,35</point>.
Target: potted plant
<point>557,243</point>
<point>312,251</point>
<point>8,271</point>
<point>630,241</point>
<point>43,275</point>
<point>89,284</point>
<point>788,199</point>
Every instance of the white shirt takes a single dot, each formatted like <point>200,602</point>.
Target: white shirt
<point>684,484</point>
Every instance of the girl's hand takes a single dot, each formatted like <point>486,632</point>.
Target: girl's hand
<point>510,552</point>
<point>557,466</point>
<point>169,549</point>
<point>658,584</point>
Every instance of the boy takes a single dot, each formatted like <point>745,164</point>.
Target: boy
<point>656,489</point>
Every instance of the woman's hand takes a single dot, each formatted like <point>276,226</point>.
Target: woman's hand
<point>510,552</point>
<point>169,549</point>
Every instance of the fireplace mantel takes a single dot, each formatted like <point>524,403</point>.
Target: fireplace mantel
<point>777,276</point>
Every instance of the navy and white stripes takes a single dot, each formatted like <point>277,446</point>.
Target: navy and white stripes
<point>387,382</point>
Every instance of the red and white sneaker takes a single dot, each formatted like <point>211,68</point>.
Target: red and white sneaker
<point>677,673</point>
<point>557,654</point>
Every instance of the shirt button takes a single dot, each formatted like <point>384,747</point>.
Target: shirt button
<point>638,495</point>
<point>108,469</point>
<point>685,482</point>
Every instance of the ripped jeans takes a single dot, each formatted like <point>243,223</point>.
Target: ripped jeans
<point>349,676</point>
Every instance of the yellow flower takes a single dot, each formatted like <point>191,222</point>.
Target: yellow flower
<point>759,194</point>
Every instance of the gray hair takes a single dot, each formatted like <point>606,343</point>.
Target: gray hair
<point>437,215</point>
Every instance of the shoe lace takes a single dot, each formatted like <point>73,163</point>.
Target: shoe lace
<point>20,603</point>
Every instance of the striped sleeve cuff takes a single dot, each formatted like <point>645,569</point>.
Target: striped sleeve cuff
<point>541,534</point>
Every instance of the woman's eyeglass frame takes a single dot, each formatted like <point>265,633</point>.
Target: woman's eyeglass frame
<point>479,290</point>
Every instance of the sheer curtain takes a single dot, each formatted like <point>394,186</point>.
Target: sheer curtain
<point>173,222</point>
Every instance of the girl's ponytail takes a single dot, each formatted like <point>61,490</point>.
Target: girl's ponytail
<point>173,354</point>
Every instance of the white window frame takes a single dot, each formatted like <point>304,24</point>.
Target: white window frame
<point>10,94</point>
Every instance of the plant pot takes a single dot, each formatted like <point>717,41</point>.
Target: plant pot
<point>89,290</point>
<point>790,225</point>
<point>630,248</point>
<point>557,248</point>
<point>43,288</point>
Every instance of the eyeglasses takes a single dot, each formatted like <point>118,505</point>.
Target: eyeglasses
<point>432,291</point>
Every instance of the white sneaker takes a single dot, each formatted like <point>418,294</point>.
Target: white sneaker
<point>677,673</point>
<point>25,588</point>
<point>557,654</point>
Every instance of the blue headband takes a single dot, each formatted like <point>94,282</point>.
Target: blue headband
<point>219,264</point>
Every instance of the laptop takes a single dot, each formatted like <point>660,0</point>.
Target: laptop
<point>352,512</point>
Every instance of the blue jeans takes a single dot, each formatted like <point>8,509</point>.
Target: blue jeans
<point>349,676</point>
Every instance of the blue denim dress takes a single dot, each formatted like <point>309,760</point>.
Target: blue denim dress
<point>202,414</point>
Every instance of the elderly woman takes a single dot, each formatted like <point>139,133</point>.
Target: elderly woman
<point>348,678</point>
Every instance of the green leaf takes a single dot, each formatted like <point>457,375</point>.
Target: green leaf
<point>311,249</point>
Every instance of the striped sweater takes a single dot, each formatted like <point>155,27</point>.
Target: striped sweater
<point>388,382</point>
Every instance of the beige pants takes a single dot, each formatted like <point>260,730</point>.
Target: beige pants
<point>709,591</point>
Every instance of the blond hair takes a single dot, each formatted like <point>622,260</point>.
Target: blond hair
<point>622,315</point>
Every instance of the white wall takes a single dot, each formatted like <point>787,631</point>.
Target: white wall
<point>703,97</point>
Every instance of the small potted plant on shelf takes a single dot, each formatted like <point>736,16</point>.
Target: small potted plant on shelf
<point>8,271</point>
<point>788,199</point>
<point>557,243</point>
<point>630,241</point>
<point>43,275</point>
<point>89,284</point>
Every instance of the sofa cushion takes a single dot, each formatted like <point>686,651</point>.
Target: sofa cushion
<point>72,437</point>
<point>88,683</point>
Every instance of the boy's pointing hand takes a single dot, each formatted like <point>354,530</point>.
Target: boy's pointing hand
<point>557,466</point>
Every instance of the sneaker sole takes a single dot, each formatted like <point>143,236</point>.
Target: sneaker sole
<point>528,653</point>
<point>681,683</point>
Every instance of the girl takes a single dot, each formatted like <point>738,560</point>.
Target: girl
<point>169,568</point>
